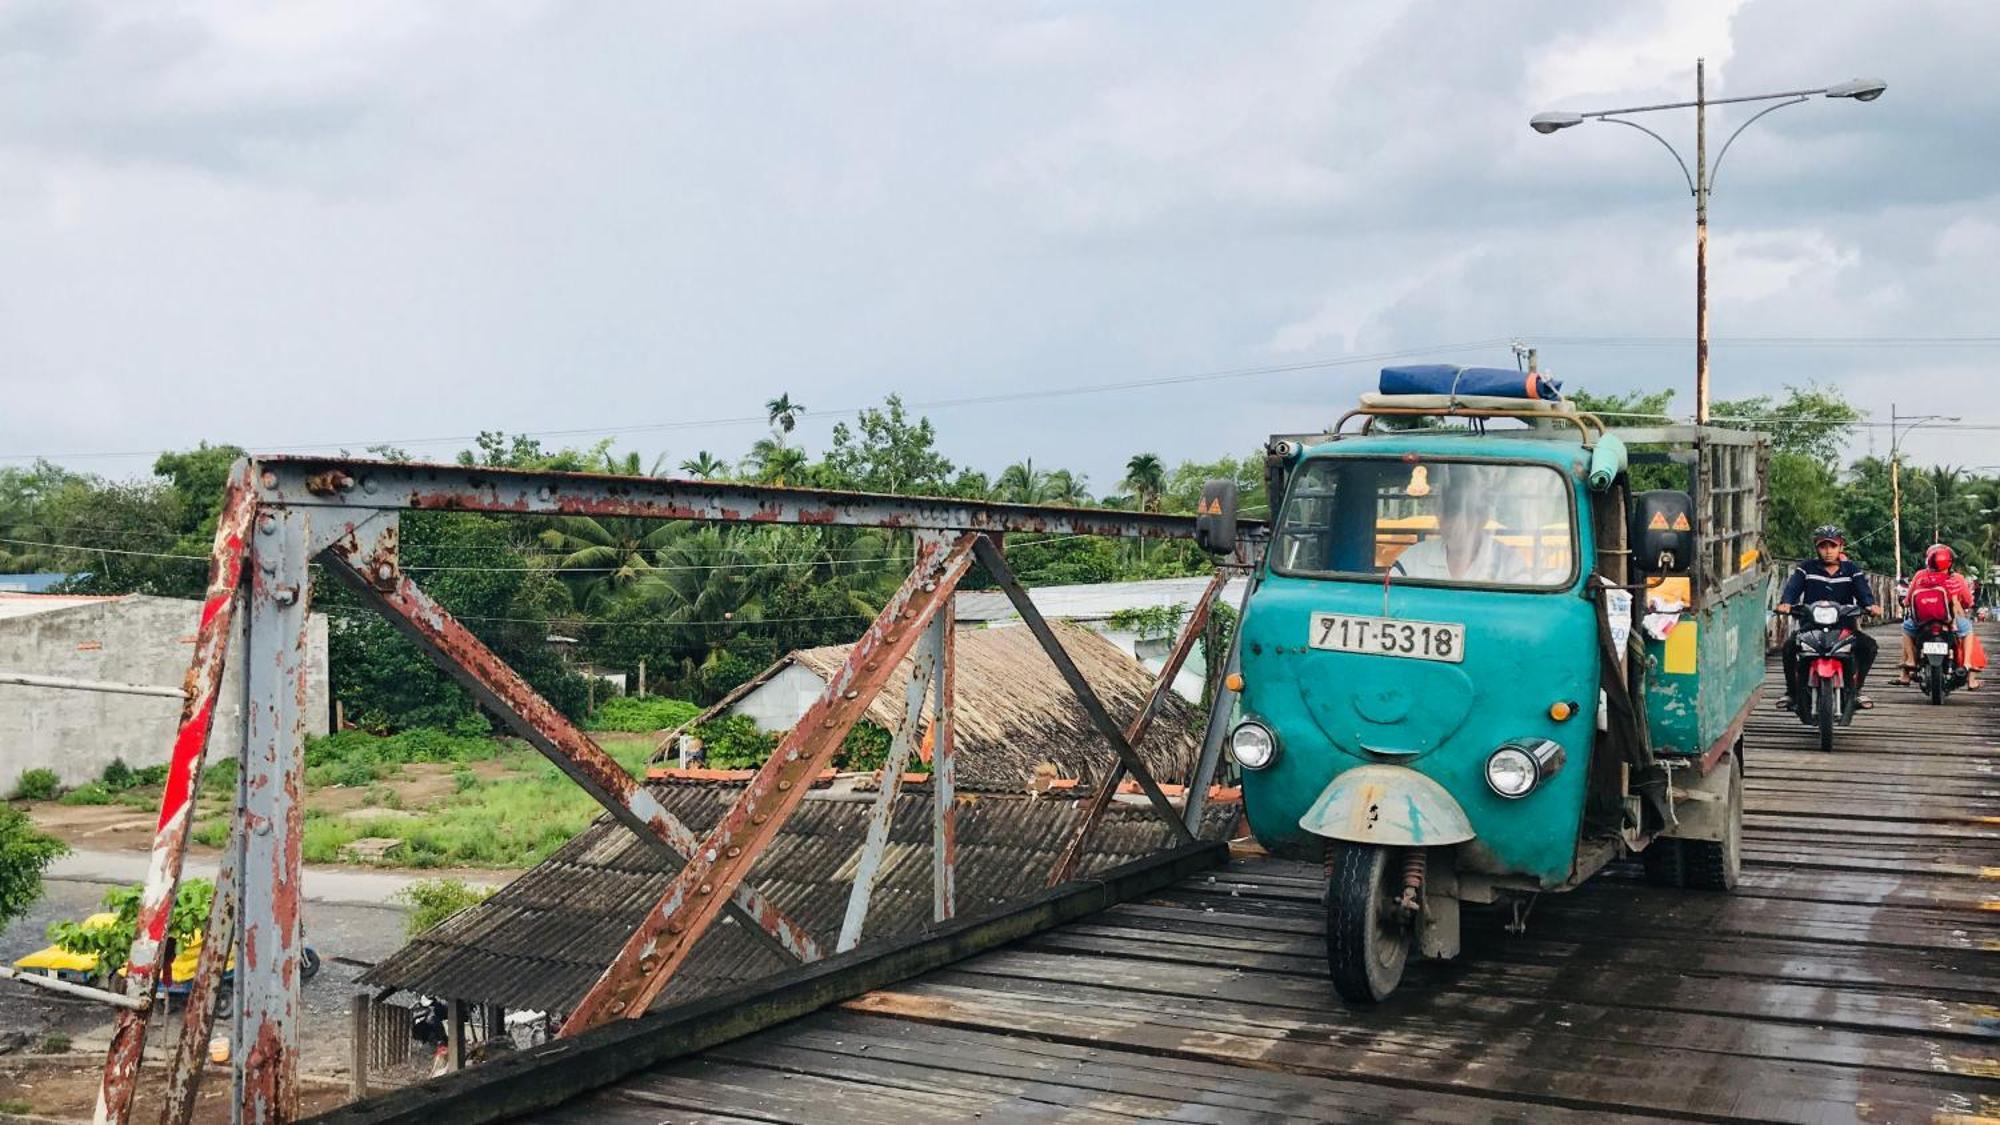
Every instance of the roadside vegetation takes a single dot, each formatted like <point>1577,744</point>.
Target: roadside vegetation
<point>431,901</point>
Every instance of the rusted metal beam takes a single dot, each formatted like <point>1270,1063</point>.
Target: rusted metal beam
<point>1220,710</point>
<point>375,577</point>
<point>319,482</point>
<point>268,1017</point>
<point>670,931</point>
<point>198,1015</point>
<point>1135,731</point>
<point>996,565</point>
<point>944,770</point>
<point>170,833</point>
<point>882,816</point>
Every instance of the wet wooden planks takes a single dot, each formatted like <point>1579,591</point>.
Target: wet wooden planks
<point>1855,976</point>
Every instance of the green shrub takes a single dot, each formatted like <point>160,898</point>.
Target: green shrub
<point>212,833</point>
<point>733,742</point>
<point>24,853</point>
<point>19,1107</point>
<point>219,778</point>
<point>866,747</point>
<point>54,1043</point>
<point>111,944</point>
<point>117,776</point>
<point>436,900</point>
<point>89,793</point>
<point>463,779</point>
<point>381,797</point>
<point>152,775</point>
<point>37,785</point>
<point>640,714</point>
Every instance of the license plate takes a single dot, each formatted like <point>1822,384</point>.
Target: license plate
<point>1936,648</point>
<point>1386,636</point>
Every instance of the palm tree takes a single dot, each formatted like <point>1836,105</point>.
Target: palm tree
<point>603,558</point>
<point>703,466</point>
<point>773,462</point>
<point>1147,478</point>
<point>1019,483</point>
<point>630,465</point>
<point>1065,487</point>
<point>784,414</point>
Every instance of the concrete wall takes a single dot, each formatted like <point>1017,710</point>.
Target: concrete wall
<point>134,640</point>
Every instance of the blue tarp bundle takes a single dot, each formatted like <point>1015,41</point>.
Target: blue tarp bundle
<point>1451,379</point>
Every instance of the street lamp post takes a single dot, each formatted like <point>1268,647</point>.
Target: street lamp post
<point>1702,180</point>
<point>1896,432</point>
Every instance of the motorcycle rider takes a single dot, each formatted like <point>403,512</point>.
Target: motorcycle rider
<point>1832,577</point>
<point>1937,573</point>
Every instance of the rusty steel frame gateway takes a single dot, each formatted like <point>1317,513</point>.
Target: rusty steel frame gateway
<point>281,514</point>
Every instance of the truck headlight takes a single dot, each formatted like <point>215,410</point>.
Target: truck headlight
<point>1253,745</point>
<point>1518,766</point>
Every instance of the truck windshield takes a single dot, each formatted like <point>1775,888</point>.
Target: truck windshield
<point>1456,523</point>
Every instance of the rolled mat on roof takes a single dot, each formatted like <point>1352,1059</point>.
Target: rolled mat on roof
<point>1451,379</point>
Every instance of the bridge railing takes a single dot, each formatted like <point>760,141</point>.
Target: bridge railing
<point>282,514</point>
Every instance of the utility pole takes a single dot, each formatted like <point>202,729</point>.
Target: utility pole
<point>1895,495</point>
<point>1700,242</point>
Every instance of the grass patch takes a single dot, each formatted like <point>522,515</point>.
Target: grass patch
<point>516,821</point>
<point>213,832</point>
<point>89,793</point>
<point>53,1044</point>
<point>357,758</point>
<point>641,714</point>
<point>19,1107</point>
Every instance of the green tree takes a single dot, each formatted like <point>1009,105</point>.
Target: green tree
<point>112,944</point>
<point>784,415</point>
<point>773,462</point>
<point>601,558</point>
<point>704,466</point>
<point>1021,483</point>
<point>24,854</point>
<point>885,451</point>
<point>1146,476</point>
<point>1810,421</point>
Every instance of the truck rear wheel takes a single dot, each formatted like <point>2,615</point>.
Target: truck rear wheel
<point>1665,866</point>
<point>1367,939</point>
<point>1717,865</point>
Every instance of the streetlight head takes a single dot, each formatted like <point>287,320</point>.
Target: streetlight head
<point>1860,89</point>
<point>1546,123</point>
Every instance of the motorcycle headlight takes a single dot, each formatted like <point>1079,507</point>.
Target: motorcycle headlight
<point>1252,745</point>
<point>1510,772</point>
<point>1825,614</point>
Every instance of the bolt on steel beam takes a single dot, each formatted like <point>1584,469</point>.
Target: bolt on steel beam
<point>944,744</point>
<point>1086,697</point>
<point>198,1013</point>
<point>345,482</point>
<point>462,656</point>
<point>670,931</point>
<point>882,816</point>
<point>268,1019</point>
<point>1135,732</point>
<point>170,834</point>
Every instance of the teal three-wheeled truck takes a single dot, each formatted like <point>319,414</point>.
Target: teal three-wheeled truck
<point>1476,664</point>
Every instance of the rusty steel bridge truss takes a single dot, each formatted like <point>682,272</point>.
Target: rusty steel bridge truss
<point>282,514</point>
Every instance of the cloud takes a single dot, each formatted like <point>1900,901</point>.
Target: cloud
<point>348,223</point>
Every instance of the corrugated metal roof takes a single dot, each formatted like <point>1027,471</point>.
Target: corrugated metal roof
<point>1094,601</point>
<point>1013,711</point>
<point>542,940</point>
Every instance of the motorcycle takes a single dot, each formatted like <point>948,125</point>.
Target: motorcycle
<point>1939,669</point>
<point>1826,666</point>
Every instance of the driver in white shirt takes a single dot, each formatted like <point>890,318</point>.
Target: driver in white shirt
<point>1464,549</point>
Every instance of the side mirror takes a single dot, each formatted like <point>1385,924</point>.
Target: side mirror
<point>1215,519</point>
<point>1662,533</point>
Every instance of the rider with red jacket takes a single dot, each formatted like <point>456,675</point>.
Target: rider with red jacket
<point>1937,575</point>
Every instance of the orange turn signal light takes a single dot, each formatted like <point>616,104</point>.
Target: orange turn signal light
<point>1233,681</point>
<point>1561,711</point>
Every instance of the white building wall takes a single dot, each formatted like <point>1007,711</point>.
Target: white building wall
<point>781,701</point>
<point>134,640</point>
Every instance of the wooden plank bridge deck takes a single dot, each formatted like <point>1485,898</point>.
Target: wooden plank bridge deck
<point>1854,976</point>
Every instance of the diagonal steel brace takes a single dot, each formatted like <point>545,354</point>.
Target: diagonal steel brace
<point>996,565</point>
<point>672,929</point>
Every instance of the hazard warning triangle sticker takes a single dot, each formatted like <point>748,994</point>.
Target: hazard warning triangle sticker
<point>1659,522</point>
<point>1681,523</point>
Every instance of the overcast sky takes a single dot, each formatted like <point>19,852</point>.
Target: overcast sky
<point>289,225</point>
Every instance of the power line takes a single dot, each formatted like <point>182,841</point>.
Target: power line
<point>849,411</point>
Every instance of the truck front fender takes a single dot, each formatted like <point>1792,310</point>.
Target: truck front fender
<point>1388,805</point>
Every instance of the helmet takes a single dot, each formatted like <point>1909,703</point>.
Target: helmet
<point>1939,557</point>
<point>1827,533</point>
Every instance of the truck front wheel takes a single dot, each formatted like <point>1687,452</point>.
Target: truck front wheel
<point>1367,937</point>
